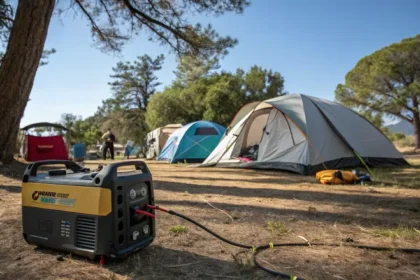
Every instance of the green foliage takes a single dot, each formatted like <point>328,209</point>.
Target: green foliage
<point>164,108</point>
<point>386,82</point>
<point>403,232</point>
<point>178,229</point>
<point>68,120</point>
<point>125,124</point>
<point>407,141</point>
<point>132,86</point>
<point>399,139</point>
<point>177,105</point>
<point>45,55</point>
<point>223,99</point>
<point>211,96</point>
<point>191,69</point>
<point>108,107</point>
<point>80,131</point>
<point>399,136</point>
<point>262,84</point>
<point>278,228</point>
<point>134,83</point>
<point>196,94</point>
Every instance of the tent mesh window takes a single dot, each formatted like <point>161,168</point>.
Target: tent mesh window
<point>206,131</point>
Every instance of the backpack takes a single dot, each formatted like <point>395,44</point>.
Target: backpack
<point>111,137</point>
<point>336,177</point>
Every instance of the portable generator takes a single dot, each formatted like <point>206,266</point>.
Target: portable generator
<point>88,213</point>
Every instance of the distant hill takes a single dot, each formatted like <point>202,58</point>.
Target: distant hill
<point>403,127</point>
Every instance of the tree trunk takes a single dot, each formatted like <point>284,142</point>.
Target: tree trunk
<point>19,66</point>
<point>416,123</point>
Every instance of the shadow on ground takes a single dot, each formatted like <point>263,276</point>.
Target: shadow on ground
<point>13,170</point>
<point>177,264</point>
<point>365,200</point>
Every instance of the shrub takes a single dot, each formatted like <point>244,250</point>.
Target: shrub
<point>408,141</point>
<point>399,136</point>
<point>178,229</point>
<point>277,227</point>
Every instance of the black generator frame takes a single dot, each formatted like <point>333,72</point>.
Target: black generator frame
<point>114,231</point>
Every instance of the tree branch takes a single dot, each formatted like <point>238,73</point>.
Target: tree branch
<point>156,32</point>
<point>110,18</point>
<point>6,18</point>
<point>94,25</point>
<point>135,11</point>
<point>392,89</point>
<point>175,13</point>
<point>378,109</point>
<point>157,11</point>
<point>92,21</point>
<point>406,83</point>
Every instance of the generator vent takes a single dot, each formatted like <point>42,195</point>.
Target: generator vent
<point>86,233</point>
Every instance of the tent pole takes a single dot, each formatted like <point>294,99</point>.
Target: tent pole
<point>364,163</point>
<point>195,144</point>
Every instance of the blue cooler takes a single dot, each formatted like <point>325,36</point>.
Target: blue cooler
<point>79,152</point>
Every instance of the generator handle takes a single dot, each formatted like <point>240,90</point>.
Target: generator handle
<point>138,164</point>
<point>68,163</point>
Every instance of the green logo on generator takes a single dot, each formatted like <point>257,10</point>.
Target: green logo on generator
<point>53,198</point>
<point>48,200</point>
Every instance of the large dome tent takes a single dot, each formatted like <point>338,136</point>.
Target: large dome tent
<point>302,134</point>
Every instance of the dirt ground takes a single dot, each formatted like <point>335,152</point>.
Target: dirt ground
<point>254,207</point>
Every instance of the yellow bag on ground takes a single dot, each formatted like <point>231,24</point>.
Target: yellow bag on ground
<point>336,177</point>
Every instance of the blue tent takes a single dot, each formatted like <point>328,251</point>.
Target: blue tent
<point>193,142</point>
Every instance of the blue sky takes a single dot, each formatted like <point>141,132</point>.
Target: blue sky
<point>313,44</point>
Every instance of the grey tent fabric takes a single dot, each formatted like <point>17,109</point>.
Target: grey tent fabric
<point>304,134</point>
<point>366,139</point>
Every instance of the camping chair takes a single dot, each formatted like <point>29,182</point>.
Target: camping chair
<point>43,147</point>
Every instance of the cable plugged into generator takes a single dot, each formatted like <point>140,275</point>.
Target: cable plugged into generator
<point>256,249</point>
<point>145,213</point>
<point>136,211</point>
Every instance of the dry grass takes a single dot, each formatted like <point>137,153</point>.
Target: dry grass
<point>278,228</point>
<point>404,232</point>
<point>297,206</point>
<point>408,177</point>
<point>407,150</point>
<point>407,142</point>
<point>414,161</point>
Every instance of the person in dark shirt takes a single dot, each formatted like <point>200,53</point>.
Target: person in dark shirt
<point>109,138</point>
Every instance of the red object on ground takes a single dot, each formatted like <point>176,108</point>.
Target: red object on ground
<point>45,148</point>
<point>102,261</point>
<point>243,159</point>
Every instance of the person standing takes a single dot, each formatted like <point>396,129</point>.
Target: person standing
<point>109,138</point>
